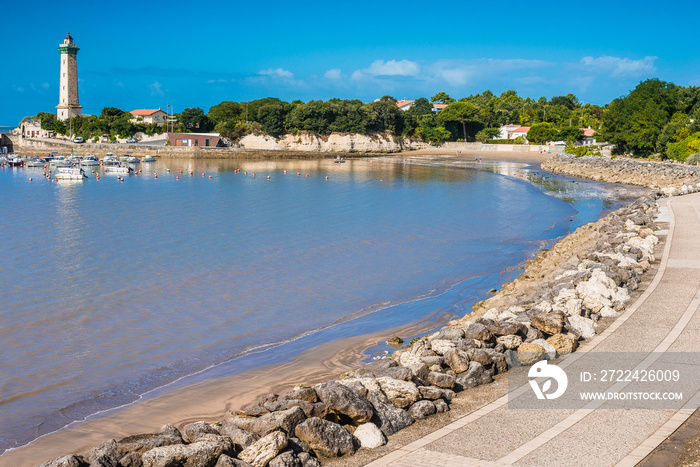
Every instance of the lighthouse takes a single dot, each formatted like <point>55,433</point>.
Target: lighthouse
<point>68,105</point>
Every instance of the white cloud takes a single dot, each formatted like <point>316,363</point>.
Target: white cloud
<point>616,66</point>
<point>393,68</point>
<point>45,85</point>
<point>277,73</point>
<point>156,89</point>
<point>333,74</point>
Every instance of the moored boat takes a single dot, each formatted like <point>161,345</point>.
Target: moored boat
<point>36,162</point>
<point>15,160</point>
<point>70,173</point>
<point>148,158</point>
<point>132,160</point>
<point>117,168</point>
<point>90,161</point>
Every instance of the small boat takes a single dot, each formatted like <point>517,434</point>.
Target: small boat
<point>15,161</point>
<point>110,157</point>
<point>70,173</point>
<point>90,161</point>
<point>117,168</point>
<point>148,159</point>
<point>124,157</point>
<point>339,160</point>
<point>36,162</point>
<point>132,160</point>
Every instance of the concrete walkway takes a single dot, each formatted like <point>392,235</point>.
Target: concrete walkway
<point>663,319</point>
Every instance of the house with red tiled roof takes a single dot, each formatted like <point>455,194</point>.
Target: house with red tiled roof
<point>404,104</point>
<point>588,136</point>
<point>513,131</point>
<point>149,116</point>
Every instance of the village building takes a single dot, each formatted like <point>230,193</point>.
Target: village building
<point>31,128</point>
<point>513,131</point>
<point>149,116</point>
<point>589,136</point>
<point>195,139</point>
<point>407,104</point>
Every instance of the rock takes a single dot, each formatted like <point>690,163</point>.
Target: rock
<point>255,410</point>
<point>66,461</point>
<point>607,312</point>
<point>432,360</point>
<point>307,460</point>
<point>479,355</point>
<point>441,380</point>
<point>400,393</point>
<point>533,334</point>
<point>458,360</point>
<point>564,343</point>
<point>420,372</point>
<point>195,430</point>
<point>238,436</point>
<point>284,420</point>
<point>441,406</point>
<point>395,342</point>
<point>433,393</point>
<point>106,454</point>
<point>451,332</point>
<point>549,323</point>
<point>550,352</point>
<point>440,346</point>
<point>504,328</point>
<point>389,418</point>
<point>477,331</point>
<point>302,394</point>
<point>285,459</point>
<point>203,453</point>
<point>510,341</point>
<point>370,436</point>
<point>422,409</point>
<point>226,461</point>
<point>326,439</point>
<point>265,449</point>
<point>344,400</point>
<point>397,372</point>
<point>475,376</point>
<point>167,435</point>
<point>581,326</point>
<point>529,354</point>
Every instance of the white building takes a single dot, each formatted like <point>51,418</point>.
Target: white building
<point>31,128</point>
<point>513,131</point>
<point>149,116</point>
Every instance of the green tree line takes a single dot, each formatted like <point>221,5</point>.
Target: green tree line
<point>656,117</point>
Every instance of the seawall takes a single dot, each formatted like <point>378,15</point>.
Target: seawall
<point>625,170</point>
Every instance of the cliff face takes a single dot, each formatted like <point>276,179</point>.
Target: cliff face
<point>335,142</point>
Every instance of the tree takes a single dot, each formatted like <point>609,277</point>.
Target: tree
<point>193,118</point>
<point>571,134</point>
<point>421,106</point>
<point>459,111</point>
<point>488,133</point>
<point>442,98</point>
<point>431,131</point>
<point>540,133</point>
<point>226,111</point>
<point>271,117</point>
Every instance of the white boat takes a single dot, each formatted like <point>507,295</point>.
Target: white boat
<point>60,161</point>
<point>110,158</point>
<point>148,159</point>
<point>117,168</point>
<point>90,161</point>
<point>36,162</point>
<point>70,173</point>
<point>132,160</point>
<point>15,160</point>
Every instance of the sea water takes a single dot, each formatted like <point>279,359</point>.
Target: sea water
<point>110,289</point>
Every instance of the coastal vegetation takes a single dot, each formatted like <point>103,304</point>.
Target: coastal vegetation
<point>657,118</point>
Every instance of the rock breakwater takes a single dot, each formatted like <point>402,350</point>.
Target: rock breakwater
<point>650,174</point>
<point>562,297</point>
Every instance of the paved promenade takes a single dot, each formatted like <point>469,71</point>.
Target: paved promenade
<point>663,319</point>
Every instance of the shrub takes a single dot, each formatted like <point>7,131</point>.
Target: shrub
<point>693,159</point>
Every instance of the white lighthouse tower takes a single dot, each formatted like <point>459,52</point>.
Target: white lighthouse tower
<point>68,105</point>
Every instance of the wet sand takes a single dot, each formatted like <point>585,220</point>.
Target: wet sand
<point>210,400</point>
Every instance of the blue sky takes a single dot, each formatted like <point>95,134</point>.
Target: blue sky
<point>147,54</point>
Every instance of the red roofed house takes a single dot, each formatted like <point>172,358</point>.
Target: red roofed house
<point>439,107</point>
<point>513,131</point>
<point>404,104</point>
<point>588,136</point>
<point>149,116</point>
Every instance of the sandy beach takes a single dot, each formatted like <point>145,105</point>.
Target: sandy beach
<point>210,400</point>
